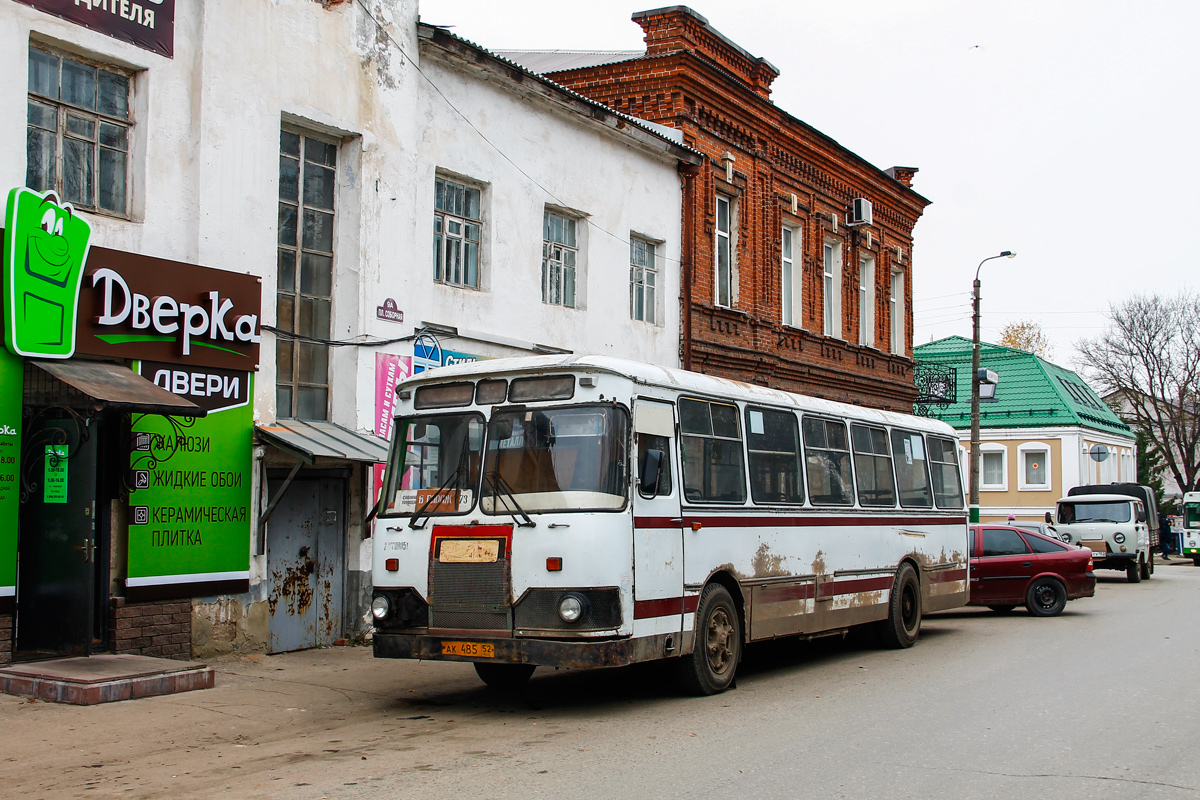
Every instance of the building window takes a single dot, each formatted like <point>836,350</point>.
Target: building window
<point>1034,470</point>
<point>866,301</point>
<point>456,227</point>
<point>307,180</point>
<point>560,254</point>
<point>726,253</point>
<point>78,132</point>
<point>792,279</point>
<point>643,280</point>
<point>832,284</point>
<point>993,467</point>
<point>896,306</point>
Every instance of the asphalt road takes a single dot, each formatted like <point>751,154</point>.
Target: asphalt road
<point>1092,704</point>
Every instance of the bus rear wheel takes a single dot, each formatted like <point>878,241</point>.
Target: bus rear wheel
<point>710,667</point>
<point>504,677</point>
<point>903,624</point>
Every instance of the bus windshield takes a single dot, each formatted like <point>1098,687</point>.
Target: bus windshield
<point>556,459</point>
<point>1069,513</point>
<point>435,465</point>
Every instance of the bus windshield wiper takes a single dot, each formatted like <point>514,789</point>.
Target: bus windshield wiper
<point>499,484</point>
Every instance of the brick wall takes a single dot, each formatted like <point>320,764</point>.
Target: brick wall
<point>760,156</point>
<point>6,638</point>
<point>162,629</point>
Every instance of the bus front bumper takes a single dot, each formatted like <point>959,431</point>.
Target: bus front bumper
<point>545,652</point>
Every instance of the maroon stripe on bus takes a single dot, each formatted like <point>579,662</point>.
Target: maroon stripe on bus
<point>948,575</point>
<point>665,607</point>
<point>794,522</point>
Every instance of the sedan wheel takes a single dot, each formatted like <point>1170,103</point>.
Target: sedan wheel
<point>1046,597</point>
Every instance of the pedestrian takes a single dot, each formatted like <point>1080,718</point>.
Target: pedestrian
<point>1164,535</point>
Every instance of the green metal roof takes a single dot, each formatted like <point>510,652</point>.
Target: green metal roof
<point>1031,393</point>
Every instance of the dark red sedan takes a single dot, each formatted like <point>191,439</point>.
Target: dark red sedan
<point>1011,566</point>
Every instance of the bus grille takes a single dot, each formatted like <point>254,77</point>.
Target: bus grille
<point>469,596</point>
<point>538,610</point>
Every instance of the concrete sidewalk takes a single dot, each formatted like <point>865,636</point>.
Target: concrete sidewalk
<point>268,723</point>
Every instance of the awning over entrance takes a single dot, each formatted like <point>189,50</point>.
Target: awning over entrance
<point>74,383</point>
<point>309,441</point>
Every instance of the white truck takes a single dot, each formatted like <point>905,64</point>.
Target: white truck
<point>1114,526</point>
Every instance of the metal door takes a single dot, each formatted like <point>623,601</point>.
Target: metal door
<point>305,540</point>
<point>657,525</point>
<point>56,539</point>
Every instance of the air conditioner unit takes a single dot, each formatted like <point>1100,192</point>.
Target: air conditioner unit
<point>859,213</point>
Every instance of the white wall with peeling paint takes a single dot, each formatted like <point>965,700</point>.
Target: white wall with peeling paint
<point>204,160</point>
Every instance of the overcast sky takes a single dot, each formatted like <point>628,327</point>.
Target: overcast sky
<point>1063,130</point>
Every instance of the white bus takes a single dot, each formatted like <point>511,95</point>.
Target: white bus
<point>584,510</point>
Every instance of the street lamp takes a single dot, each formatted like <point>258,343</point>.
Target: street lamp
<point>974,511</point>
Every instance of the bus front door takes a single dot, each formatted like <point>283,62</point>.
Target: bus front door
<point>657,527</point>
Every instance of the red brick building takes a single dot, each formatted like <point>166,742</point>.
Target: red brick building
<point>783,286</point>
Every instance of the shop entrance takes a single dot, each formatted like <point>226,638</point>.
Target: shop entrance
<point>305,539</point>
<point>59,538</point>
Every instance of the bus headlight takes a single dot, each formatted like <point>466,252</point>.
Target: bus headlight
<point>1119,538</point>
<point>380,607</point>
<point>571,607</point>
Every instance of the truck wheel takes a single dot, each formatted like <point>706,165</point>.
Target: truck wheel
<point>1147,568</point>
<point>1133,572</point>
<point>504,677</point>
<point>710,667</point>
<point>903,624</point>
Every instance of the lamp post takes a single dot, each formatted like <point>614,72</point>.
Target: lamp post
<point>974,510</point>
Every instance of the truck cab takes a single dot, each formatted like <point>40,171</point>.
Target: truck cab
<point>1113,526</point>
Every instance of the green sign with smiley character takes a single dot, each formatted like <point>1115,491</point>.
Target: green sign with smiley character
<point>47,248</point>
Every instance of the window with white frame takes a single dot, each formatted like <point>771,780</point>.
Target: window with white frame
<point>560,257</point>
<point>304,287</point>
<point>77,131</point>
<point>726,252</point>
<point>791,262</point>
<point>456,231</point>
<point>1033,466</point>
<point>832,286</point>
<point>993,467</point>
<point>643,280</point>
<point>866,301</point>
<point>896,309</point>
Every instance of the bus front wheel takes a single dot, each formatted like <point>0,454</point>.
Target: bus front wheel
<point>903,624</point>
<point>710,667</point>
<point>505,677</point>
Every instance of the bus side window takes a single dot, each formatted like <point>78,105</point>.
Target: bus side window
<point>827,462</point>
<point>913,479</point>
<point>943,464</point>
<point>661,444</point>
<point>873,467</point>
<point>711,451</point>
<point>773,445</point>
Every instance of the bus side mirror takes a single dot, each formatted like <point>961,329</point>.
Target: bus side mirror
<point>502,429</point>
<point>1049,517</point>
<point>651,472</point>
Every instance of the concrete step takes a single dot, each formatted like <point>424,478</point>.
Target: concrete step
<point>103,678</point>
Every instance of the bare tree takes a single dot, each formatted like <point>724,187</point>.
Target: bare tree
<point>1149,358</point>
<point>1028,336</point>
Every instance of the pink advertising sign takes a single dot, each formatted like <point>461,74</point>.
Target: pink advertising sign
<point>390,369</point>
